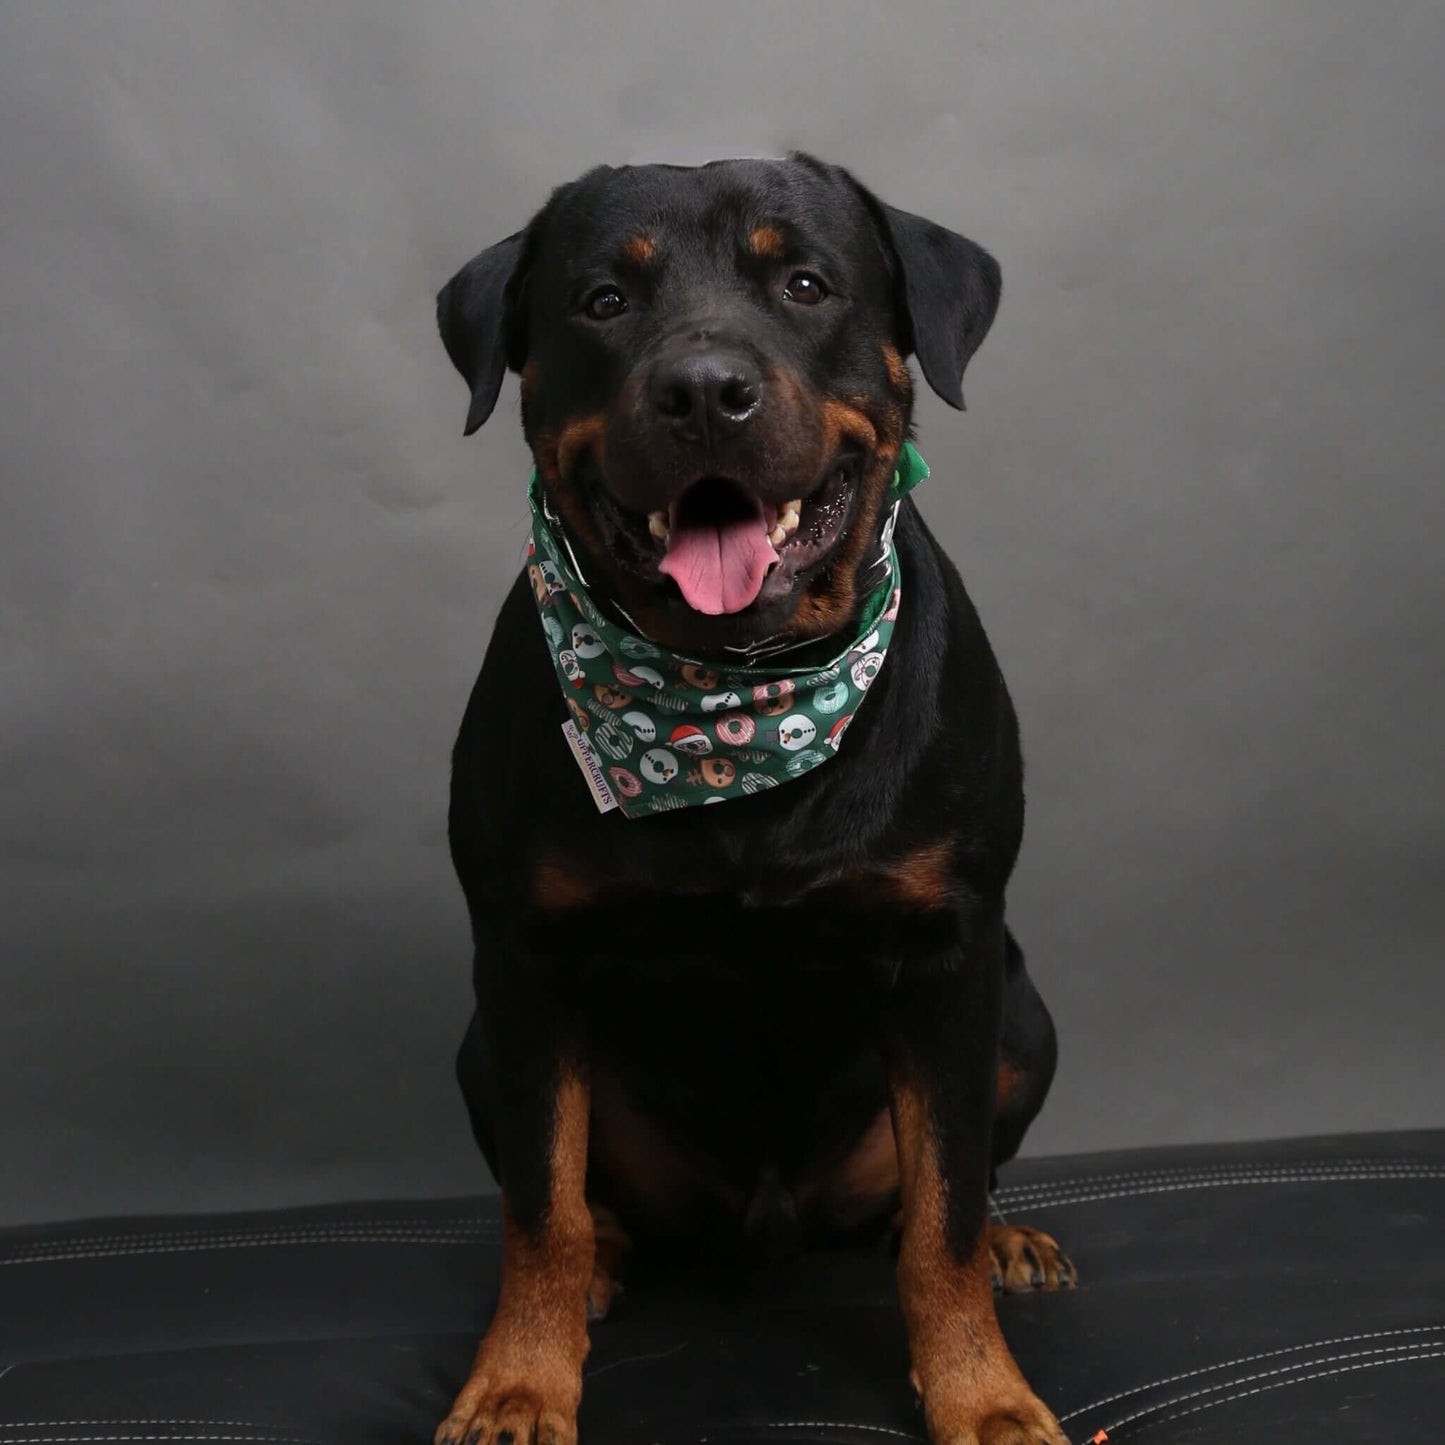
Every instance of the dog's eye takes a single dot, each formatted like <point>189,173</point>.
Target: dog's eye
<point>606,303</point>
<point>804,289</point>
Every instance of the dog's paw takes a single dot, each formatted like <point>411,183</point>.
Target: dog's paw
<point>1026,1422</point>
<point>508,1414</point>
<point>602,1294</point>
<point>1025,1259</point>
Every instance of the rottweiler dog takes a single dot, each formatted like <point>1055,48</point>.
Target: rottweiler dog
<point>797,1018</point>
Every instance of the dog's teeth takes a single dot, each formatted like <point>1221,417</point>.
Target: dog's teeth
<point>657,524</point>
<point>777,536</point>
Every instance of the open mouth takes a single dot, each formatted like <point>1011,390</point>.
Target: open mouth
<point>721,545</point>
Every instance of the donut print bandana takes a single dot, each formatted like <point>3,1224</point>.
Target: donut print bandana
<point>653,731</point>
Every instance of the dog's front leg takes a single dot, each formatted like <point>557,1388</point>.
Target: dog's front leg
<point>526,1382</point>
<point>941,1026</point>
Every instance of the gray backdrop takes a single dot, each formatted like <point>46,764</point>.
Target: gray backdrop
<point>248,564</point>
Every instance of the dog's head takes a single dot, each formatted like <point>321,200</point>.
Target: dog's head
<point>714,382</point>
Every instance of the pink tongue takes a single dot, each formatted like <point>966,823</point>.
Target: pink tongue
<point>719,566</point>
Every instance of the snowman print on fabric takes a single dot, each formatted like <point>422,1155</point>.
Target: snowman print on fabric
<point>642,725</point>
<point>797,732</point>
<point>721,701</point>
<point>638,677</point>
<point>659,765</point>
<point>585,641</point>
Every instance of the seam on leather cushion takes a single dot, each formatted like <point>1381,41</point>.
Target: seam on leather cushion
<point>1366,1168</point>
<point>131,1423</point>
<point>1255,1359</point>
<point>71,1439</point>
<point>43,1253</point>
<point>834,1425</point>
<point>1079,1196</point>
<point>1228,1390</point>
<point>1293,1380</point>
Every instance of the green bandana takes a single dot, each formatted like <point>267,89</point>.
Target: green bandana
<point>653,731</point>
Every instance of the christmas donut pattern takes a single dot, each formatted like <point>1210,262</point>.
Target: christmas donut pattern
<point>676,732</point>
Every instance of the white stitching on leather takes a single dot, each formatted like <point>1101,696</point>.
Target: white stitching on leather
<point>1183,1186</point>
<point>1250,1360</point>
<point>1389,1352</point>
<point>1367,1167</point>
<point>834,1425</point>
<point>1024,1193</point>
<point>90,1424</point>
<point>323,1231</point>
<point>58,1252</point>
<point>90,1439</point>
<point>1294,1380</point>
<point>1128,1176</point>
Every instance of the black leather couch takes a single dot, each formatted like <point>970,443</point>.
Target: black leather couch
<point>1265,1292</point>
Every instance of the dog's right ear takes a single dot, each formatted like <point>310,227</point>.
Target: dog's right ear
<point>478,313</point>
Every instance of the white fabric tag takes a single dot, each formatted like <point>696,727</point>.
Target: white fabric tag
<point>602,794</point>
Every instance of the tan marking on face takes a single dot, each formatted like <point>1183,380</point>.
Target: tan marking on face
<point>962,1369</point>
<point>842,422</point>
<point>640,250</point>
<point>557,885</point>
<point>898,377</point>
<point>768,242</point>
<point>830,597</point>
<point>556,455</point>
<point>1009,1079</point>
<point>528,380</point>
<point>585,433</point>
<point>527,1376</point>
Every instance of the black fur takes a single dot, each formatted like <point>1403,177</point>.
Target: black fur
<point>732,971</point>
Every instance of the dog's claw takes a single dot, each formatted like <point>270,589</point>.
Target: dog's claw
<point>1023,1259</point>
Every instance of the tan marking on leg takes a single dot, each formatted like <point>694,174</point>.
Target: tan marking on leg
<point>557,885</point>
<point>612,1246</point>
<point>527,1376</point>
<point>767,241</point>
<point>972,1390</point>
<point>860,1186</point>
<point>1024,1260</point>
<point>640,250</point>
<point>647,1175</point>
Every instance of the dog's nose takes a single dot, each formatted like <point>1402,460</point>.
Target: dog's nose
<point>703,392</point>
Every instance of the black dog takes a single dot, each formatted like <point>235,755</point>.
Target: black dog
<point>798,1016</point>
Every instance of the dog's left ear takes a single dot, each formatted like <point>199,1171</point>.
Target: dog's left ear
<point>948,291</point>
<point>477,313</point>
